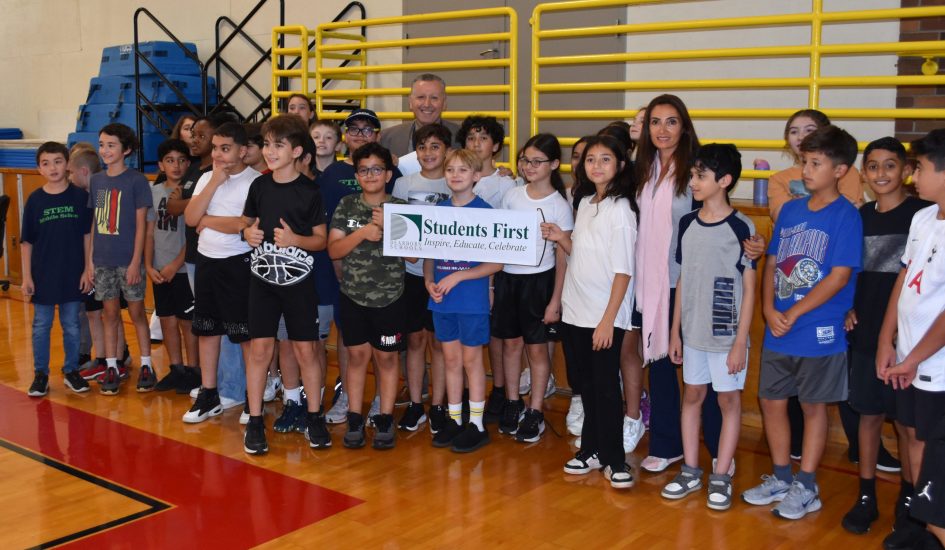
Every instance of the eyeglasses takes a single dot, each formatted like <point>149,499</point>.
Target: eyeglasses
<point>355,131</point>
<point>372,170</point>
<point>533,163</point>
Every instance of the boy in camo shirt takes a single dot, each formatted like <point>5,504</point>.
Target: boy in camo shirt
<point>372,287</point>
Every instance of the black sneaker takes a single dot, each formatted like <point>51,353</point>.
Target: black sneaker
<point>887,462</point>
<point>438,418</point>
<point>146,379</point>
<point>291,412</point>
<point>75,382</point>
<point>254,442</point>
<point>85,360</point>
<point>470,439</point>
<point>494,406</point>
<point>412,418</point>
<point>905,536</point>
<point>901,510</point>
<point>383,432</point>
<point>511,416</point>
<point>40,385</point>
<point>171,379</point>
<point>354,437</point>
<point>301,422</point>
<point>445,437</point>
<point>861,516</point>
<point>188,381</point>
<point>464,412</point>
<point>110,381</point>
<point>206,405</point>
<point>403,397</point>
<point>531,427</point>
<point>126,357</point>
<point>317,431</point>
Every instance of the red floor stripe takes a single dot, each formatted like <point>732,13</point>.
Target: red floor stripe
<point>217,501</point>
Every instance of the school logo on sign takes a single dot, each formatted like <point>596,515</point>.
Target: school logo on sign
<point>406,227</point>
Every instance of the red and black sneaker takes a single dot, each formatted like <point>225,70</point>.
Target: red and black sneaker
<point>95,371</point>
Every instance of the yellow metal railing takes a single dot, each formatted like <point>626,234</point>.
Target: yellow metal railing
<point>814,82</point>
<point>325,48</point>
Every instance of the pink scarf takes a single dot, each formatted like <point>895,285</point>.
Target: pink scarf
<point>652,263</point>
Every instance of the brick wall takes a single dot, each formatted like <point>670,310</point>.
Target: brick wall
<point>911,30</point>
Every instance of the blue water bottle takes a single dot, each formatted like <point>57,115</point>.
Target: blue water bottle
<point>760,197</point>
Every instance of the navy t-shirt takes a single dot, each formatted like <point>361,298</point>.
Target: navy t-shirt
<point>56,225</point>
<point>806,246</point>
<point>471,296</point>
<point>335,183</point>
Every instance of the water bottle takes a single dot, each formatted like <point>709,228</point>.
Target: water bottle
<point>760,197</point>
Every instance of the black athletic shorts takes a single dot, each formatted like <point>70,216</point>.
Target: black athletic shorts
<point>221,297</point>
<point>91,304</point>
<point>929,411</point>
<point>927,502</point>
<point>416,303</point>
<point>868,394</point>
<point>518,309</point>
<point>297,303</point>
<point>174,298</point>
<point>382,327</point>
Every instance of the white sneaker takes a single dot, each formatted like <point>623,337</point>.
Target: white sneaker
<point>230,403</point>
<point>375,410</point>
<point>550,388</point>
<point>338,414</point>
<point>632,433</point>
<point>194,392</point>
<point>525,382</point>
<point>731,467</point>
<point>656,464</point>
<point>244,418</point>
<point>575,418</point>
<point>273,385</point>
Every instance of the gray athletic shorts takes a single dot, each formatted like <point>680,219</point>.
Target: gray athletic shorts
<point>811,379</point>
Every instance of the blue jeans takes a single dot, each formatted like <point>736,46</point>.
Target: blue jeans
<point>42,326</point>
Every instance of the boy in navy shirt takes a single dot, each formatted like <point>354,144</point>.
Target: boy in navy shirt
<point>808,284</point>
<point>54,243</point>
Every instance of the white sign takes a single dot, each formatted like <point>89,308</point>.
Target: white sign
<point>471,234</point>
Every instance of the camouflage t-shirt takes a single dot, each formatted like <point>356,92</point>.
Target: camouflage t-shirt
<point>367,276</point>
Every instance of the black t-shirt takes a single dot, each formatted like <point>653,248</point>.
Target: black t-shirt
<point>56,225</point>
<point>884,240</point>
<point>299,204</point>
<point>188,183</point>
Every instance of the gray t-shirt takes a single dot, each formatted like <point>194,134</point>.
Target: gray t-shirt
<point>416,189</point>
<point>712,261</point>
<point>168,229</point>
<point>115,200</point>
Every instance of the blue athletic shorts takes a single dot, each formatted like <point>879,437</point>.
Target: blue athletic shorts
<point>471,329</point>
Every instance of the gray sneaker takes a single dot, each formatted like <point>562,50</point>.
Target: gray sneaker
<point>799,501</point>
<point>771,490</point>
<point>720,492</point>
<point>338,414</point>
<point>375,410</point>
<point>688,480</point>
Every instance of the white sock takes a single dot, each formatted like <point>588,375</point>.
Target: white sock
<point>476,409</point>
<point>145,360</point>
<point>456,412</point>
<point>294,394</point>
<point>111,362</point>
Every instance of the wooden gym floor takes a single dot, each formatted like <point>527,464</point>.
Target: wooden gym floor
<point>110,472</point>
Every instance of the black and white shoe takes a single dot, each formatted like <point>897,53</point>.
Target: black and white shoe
<point>205,406</point>
<point>75,382</point>
<point>254,442</point>
<point>40,385</point>
<point>531,427</point>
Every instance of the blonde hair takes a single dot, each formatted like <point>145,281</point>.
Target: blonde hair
<point>465,156</point>
<point>83,155</point>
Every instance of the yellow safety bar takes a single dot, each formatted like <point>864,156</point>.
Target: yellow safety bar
<point>325,49</point>
<point>814,82</point>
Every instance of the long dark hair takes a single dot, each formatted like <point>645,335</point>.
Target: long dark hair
<point>622,186</point>
<point>551,147</point>
<point>683,155</point>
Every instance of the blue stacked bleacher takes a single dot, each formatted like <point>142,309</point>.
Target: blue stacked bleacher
<point>111,95</point>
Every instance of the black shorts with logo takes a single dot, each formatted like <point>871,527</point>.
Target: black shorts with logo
<point>174,298</point>
<point>221,297</point>
<point>518,308</point>
<point>382,327</point>
<point>297,303</point>
<point>927,502</point>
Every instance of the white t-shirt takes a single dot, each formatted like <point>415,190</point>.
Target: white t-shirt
<point>554,208</point>
<point>418,190</point>
<point>603,242</point>
<point>922,298</point>
<point>228,200</point>
<point>492,188</point>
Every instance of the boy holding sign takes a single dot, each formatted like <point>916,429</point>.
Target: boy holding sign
<point>459,299</point>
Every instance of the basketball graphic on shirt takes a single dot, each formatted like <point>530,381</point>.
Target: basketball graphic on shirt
<point>280,266</point>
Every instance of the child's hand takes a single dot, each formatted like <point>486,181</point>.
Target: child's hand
<point>90,275</point>
<point>603,336</point>
<point>552,313</point>
<point>737,359</point>
<point>778,323</point>
<point>885,359</point>
<point>902,375</point>
<point>552,232</point>
<point>505,172</point>
<point>675,349</point>
<point>253,235</point>
<point>221,171</point>
<point>155,275</point>
<point>201,225</point>
<point>28,288</point>
<point>377,217</point>
<point>449,282</point>
<point>372,232</point>
<point>167,273</point>
<point>850,322</point>
<point>133,274</point>
<point>175,194</point>
<point>85,285</point>
<point>434,292</point>
<point>283,236</point>
<point>754,246</point>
